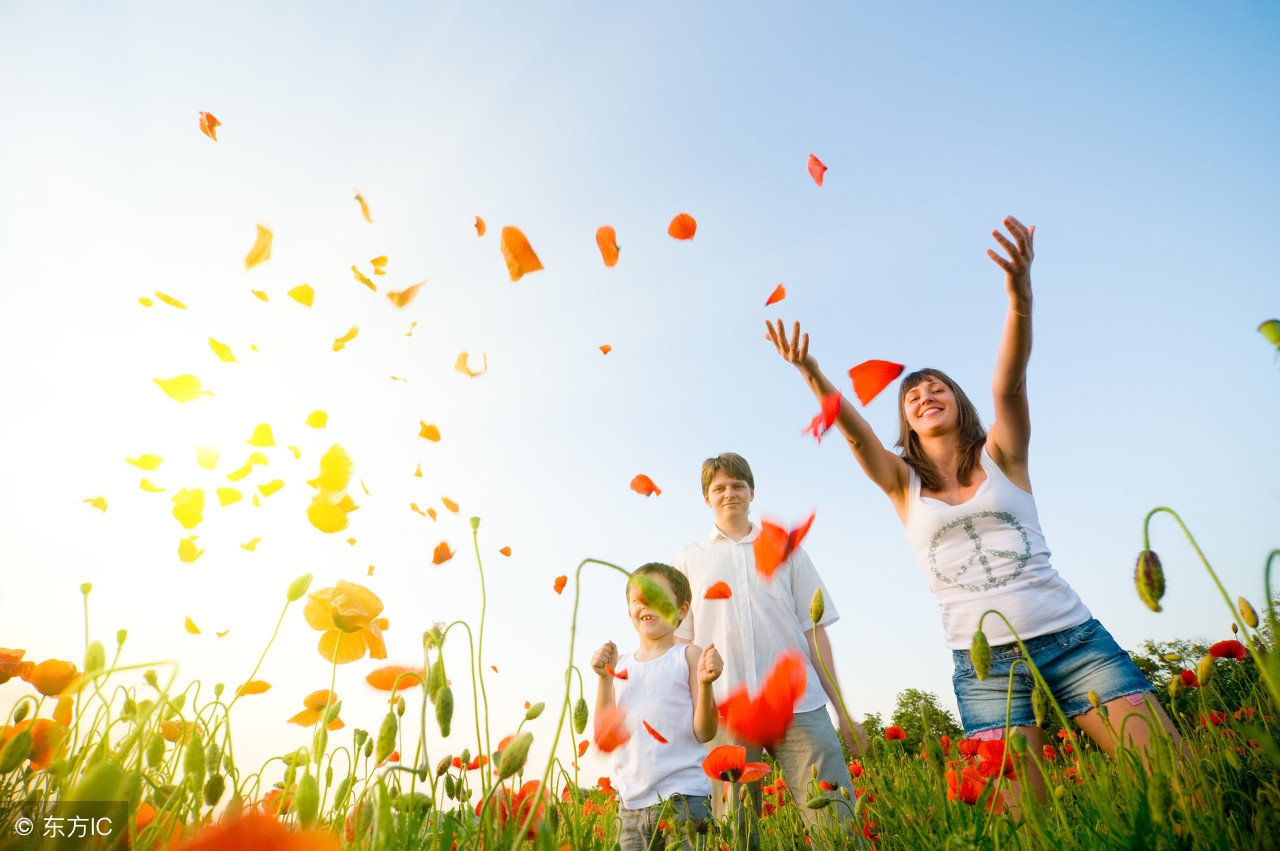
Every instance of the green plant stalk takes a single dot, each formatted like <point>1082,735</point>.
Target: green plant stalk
<point>477,672</point>
<point>1235,615</point>
<point>265,650</point>
<point>839,694</point>
<point>1271,605</point>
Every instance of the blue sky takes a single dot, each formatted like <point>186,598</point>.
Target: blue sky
<point>1139,138</point>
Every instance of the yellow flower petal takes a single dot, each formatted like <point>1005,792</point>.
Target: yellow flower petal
<point>261,251</point>
<point>402,298</point>
<point>188,507</point>
<point>207,457</point>
<point>191,627</point>
<point>271,487</point>
<point>336,467</point>
<point>379,265</point>
<point>98,502</point>
<point>146,485</point>
<point>342,647</point>
<point>223,633</point>
<point>364,487</point>
<point>418,472</point>
<point>262,436</point>
<point>145,302</point>
<point>351,541</point>
<point>431,512</point>
<point>182,388</point>
<point>257,501</point>
<point>364,207</point>
<point>237,475</point>
<point>146,462</point>
<point>227,496</point>
<point>341,343</point>
<point>257,458</point>
<point>398,378</point>
<point>303,294</point>
<point>260,294</point>
<point>187,549</point>
<point>430,432</point>
<point>326,515</point>
<point>362,279</point>
<point>449,504</point>
<point>251,545</point>
<point>317,419</point>
<point>461,366</point>
<point>415,507</point>
<point>412,325</point>
<point>170,300</point>
<point>253,687</point>
<point>223,351</point>
<point>297,453</point>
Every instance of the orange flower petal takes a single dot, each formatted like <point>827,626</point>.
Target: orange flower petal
<point>617,675</point>
<point>652,732</point>
<point>560,582</point>
<point>778,294</point>
<point>719,591</point>
<point>518,253</point>
<point>872,376</point>
<point>816,169</point>
<point>608,242</point>
<point>611,729</point>
<point>399,677</point>
<point>209,125</point>
<point>364,206</point>
<point>449,504</point>
<point>442,553</point>
<point>682,226</point>
<point>480,226</point>
<point>644,486</point>
<point>774,545</point>
<point>605,349</point>
<point>506,551</point>
<point>582,748</point>
<point>261,250</point>
<point>430,432</point>
<point>402,298</point>
<point>254,687</point>
<point>461,365</point>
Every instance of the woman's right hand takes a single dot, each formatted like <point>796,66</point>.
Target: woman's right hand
<point>794,350</point>
<point>606,655</point>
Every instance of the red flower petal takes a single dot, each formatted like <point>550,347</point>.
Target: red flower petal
<point>617,675</point>
<point>611,729</point>
<point>560,582</point>
<point>779,293</point>
<point>719,591</point>
<point>644,486</point>
<point>763,720</point>
<point>872,376</point>
<point>774,545</point>
<point>826,418</point>
<point>1228,649</point>
<point>816,169</point>
<point>654,733</point>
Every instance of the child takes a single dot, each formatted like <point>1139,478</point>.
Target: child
<point>666,686</point>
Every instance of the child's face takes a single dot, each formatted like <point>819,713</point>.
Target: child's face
<point>648,623</point>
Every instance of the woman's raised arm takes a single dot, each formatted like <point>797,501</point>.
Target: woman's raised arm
<point>883,467</point>
<point>1010,434</point>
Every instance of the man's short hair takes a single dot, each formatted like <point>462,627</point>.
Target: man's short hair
<point>731,463</point>
<point>678,581</point>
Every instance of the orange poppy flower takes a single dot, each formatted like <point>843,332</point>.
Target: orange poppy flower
<point>763,720</point>
<point>729,763</point>
<point>347,614</point>
<point>774,545</point>
<point>11,664</point>
<point>397,677</point>
<point>315,704</point>
<point>46,739</point>
<point>965,785</point>
<point>175,730</point>
<point>518,804</point>
<point>53,677</point>
<point>255,831</point>
<point>611,729</point>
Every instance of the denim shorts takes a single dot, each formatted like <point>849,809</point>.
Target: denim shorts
<point>640,830</point>
<point>1073,662</point>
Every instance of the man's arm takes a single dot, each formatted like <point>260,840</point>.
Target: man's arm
<point>851,732</point>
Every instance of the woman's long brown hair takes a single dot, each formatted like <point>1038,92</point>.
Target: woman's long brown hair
<point>972,435</point>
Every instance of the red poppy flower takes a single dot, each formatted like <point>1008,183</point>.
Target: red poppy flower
<point>855,769</point>
<point>763,720</point>
<point>965,785</point>
<point>518,804</point>
<point>1049,753</point>
<point>1189,679</point>
<point>719,591</point>
<point>945,741</point>
<point>894,733</point>
<point>825,786</point>
<point>774,545</point>
<point>606,786</point>
<point>611,729</point>
<point>994,757</point>
<point>729,763</point>
<point>968,747</point>
<point>1228,649</point>
<point>826,418</point>
<point>1215,718</point>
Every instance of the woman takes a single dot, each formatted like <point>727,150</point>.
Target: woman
<point>964,496</point>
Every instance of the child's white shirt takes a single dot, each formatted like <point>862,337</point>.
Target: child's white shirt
<point>657,692</point>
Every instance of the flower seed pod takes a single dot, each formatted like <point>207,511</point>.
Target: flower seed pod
<point>155,750</point>
<point>580,714</point>
<point>1148,576</point>
<point>1040,704</point>
<point>15,751</point>
<point>387,737</point>
<point>306,801</point>
<point>400,706</point>
<point>1247,613</point>
<point>1205,670</point>
<point>213,790</point>
<point>121,636</point>
<point>450,787</point>
<point>817,802</point>
<point>816,606</point>
<point>20,713</point>
<point>95,658</point>
<point>535,710</point>
<point>85,588</point>
<point>1094,700</point>
<point>475,524</point>
<point>298,587</point>
<point>980,655</point>
<point>344,789</point>
<point>444,710</point>
<point>514,756</point>
<point>443,765</point>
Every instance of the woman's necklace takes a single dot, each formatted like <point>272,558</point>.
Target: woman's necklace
<point>947,496</point>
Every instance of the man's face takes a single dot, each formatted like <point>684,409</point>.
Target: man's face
<point>729,498</point>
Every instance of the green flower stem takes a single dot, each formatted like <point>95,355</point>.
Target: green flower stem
<point>1035,672</point>
<point>839,694</point>
<point>1271,605</point>
<point>263,657</point>
<point>568,684</point>
<point>475,702</point>
<point>477,672</point>
<point>1235,615</point>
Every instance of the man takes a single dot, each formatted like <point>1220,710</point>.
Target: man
<point>763,618</point>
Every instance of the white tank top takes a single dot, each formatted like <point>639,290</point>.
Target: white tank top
<point>657,691</point>
<point>989,553</point>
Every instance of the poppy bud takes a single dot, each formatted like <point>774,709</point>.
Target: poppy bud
<point>400,706</point>
<point>15,751</point>
<point>443,765</point>
<point>1235,630</point>
<point>1039,704</point>
<point>1017,743</point>
<point>816,606</point>
<point>177,702</point>
<point>1247,613</point>
<point>1173,657</point>
<point>320,742</point>
<point>218,688</point>
<point>368,748</point>
<point>121,635</point>
<point>1158,797</point>
<point>359,737</point>
<point>213,789</point>
<point>21,712</point>
<point>85,588</point>
<point>1104,711</point>
<point>306,801</point>
<point>95,658</point>
<point>444,710</point>
<point>1094,700</point>
<point>150,678</point>
<point>344,789</point>
<point>212,756</point>
<point>435,679</point>
<point>155,750</point>
<point>298,587</point>
<point>331,712</point>
<point>1060,792</point>
<point>193,764</point>
<point>387,737</point>
<point>513,758</point>
<point>475,524</point>
<point>580,716</point>
<point>130,708</point>
<point>817,802</point>
<point>980,655</point>
<point>1148,576</point>
<point>844,792</point>
<point>465,757</point>
<point>1204,671</point>
<point>1175,686</point>
<point>933,752</point>
<point>450,787</point>
<point>535,710</point>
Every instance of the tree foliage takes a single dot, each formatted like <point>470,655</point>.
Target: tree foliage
<point>917,712</point>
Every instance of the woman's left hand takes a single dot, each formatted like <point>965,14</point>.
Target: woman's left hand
<point>1017,269</point>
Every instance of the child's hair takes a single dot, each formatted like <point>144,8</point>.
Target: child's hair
<point>678,581</point>
<point>972,435</point>
<point>732,463</point>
